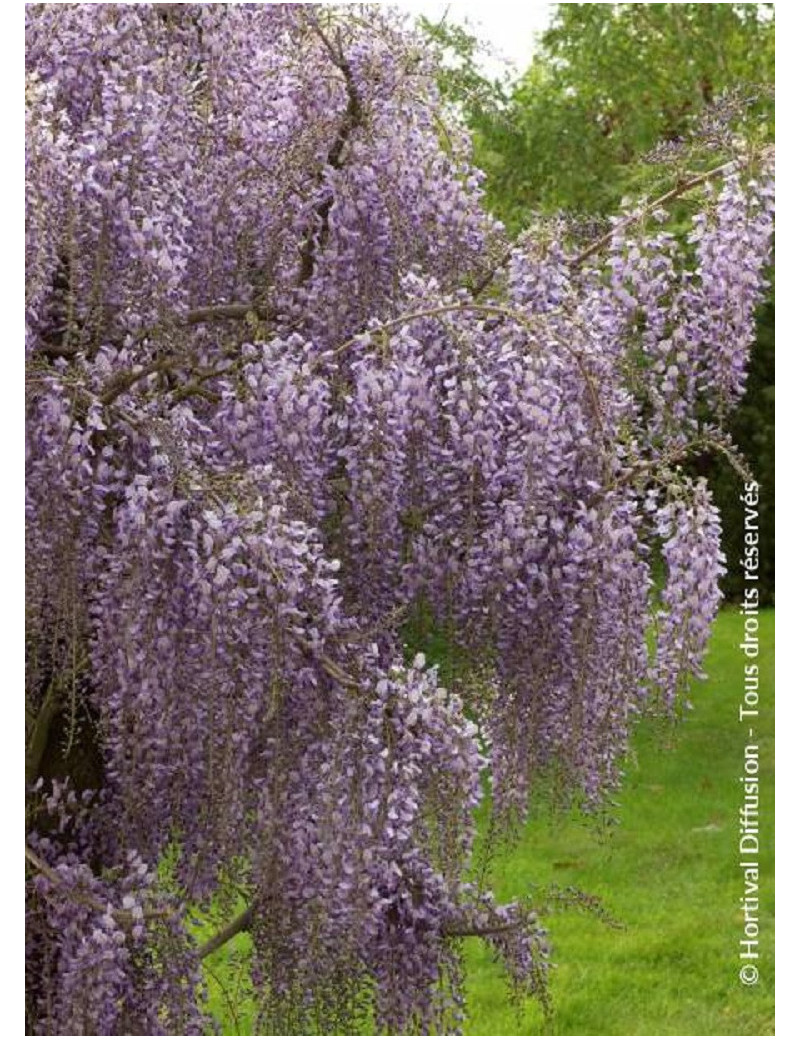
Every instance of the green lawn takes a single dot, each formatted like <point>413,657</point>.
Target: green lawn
<point>668,872</point>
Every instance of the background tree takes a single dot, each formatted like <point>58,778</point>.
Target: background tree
<point>607,84</point>
<point>288,387</point>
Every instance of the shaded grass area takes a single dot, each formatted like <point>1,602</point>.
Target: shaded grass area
<point>668,872</point>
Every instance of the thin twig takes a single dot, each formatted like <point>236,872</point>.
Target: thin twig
<point>494,310</point>
<point>694,447</point>
<point>683,186</point>
<point>680,189</point>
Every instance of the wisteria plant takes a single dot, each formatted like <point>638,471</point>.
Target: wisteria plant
<point>288,386</point>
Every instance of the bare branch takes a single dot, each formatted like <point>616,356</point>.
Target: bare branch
<point>125,381</point>
<point>465,931</point>
<point>352,119</point>
<point>483,284</point>
<point>337,673</point>
<point>242,923</point>
<point>680,188</point>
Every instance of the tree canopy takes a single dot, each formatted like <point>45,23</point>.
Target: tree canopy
<point>606,85</point>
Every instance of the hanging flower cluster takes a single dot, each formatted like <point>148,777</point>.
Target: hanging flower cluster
<point>690,530</point>
<point>273,411</point>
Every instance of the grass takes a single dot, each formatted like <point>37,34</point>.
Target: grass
<point>668,872</point>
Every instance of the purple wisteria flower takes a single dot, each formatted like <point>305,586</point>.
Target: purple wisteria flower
<point>273,413</point>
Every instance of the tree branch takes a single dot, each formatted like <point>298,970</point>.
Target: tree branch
<point>225,312</point>
<point>466,931</point>
<point>490,309</point>
<point>239,924</point>
<point>125,381</point>
<point>599,244</point>
<point>124,918</point>
<point>526,321</point>
<point>680,188</point>
<point>244,922</point>
<point>483,284</point>
<point>335,672</point>
<point>697,446</point>
<point>235,311</point>
<point>56,350</point>
<point>352,119</point>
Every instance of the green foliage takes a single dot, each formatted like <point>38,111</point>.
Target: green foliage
<point>609,83</point>
<point>460,80</point>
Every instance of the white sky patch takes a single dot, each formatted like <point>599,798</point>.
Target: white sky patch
<point>509,28</point>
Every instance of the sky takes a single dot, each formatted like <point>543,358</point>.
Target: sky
<point>509,27</point>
